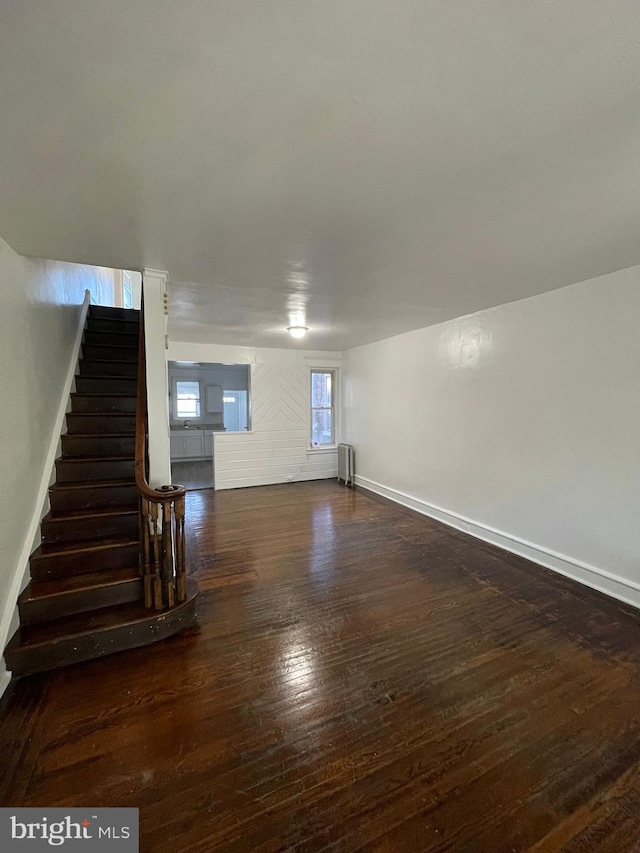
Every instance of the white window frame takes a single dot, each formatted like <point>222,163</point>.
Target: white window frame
<point>127,289</point>
<point>321,448</point>
<point>176,416</point>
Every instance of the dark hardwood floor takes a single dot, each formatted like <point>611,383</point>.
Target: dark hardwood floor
<point>362,678</point>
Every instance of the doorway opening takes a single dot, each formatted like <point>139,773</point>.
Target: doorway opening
<point>235,410</point>
<point>205,399</point>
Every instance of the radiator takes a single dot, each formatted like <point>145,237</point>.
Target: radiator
<point>346,464</point>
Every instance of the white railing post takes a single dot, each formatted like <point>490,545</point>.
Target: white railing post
<point>155,319</point>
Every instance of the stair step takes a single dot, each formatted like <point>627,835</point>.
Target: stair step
<point>99,423</point>
<point>96,367</point>
<point>110,353</point>
<point>99,403</point>
<point>106,384</point>
<point>110,444</point>
<point>106,312</point>
<point>72,469</point>
<point>73,525</point>
<point>62,559</point>
<point>84,636</point>
<point>69,497</point>
<point>109,337</point>
<point>42,601</point>
<point>103,324</point>
<point>84,597</point>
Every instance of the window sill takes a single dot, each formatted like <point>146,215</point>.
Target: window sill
<point>326,448</point>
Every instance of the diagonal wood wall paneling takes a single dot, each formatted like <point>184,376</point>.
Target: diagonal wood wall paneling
<point>277,448</point>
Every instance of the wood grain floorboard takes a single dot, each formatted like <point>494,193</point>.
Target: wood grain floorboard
<point>362,678</point>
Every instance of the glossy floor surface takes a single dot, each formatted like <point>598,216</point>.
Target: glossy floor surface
<point>362,678</point>
<point>193,474</point>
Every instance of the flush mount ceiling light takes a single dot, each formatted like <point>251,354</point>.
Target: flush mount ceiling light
<point>298,331</point>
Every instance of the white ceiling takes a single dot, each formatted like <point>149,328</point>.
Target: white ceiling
<point>380,164</point>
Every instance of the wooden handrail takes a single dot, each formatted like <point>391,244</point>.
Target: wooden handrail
<point>162,511</point>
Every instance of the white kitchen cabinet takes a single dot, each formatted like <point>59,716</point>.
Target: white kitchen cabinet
<point>208,443</point>
<point>191,444</point>
<point>194,444</point>
<point>176,442</point>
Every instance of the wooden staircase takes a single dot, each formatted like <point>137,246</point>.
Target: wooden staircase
<point>86,598</point>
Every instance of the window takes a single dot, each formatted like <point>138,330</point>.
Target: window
<point>127,289</point>
<point>322,407</point>
<point>187,399</point>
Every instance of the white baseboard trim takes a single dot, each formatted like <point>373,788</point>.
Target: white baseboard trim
<point>32,538</point>
<point>602,580</point>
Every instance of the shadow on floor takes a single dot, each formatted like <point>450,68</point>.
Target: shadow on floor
<point>196,474</point>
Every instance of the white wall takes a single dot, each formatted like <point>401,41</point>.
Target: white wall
<point>40,310</point>
<point>277,449</point>
<point>520,424</point>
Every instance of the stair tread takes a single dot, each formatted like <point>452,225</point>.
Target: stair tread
<point>103,414</point>
<point>78,546</point>
<point>120,345</point>
<point>92,484</point>
<point>99,434</point>
<point>92,622</point>
<point>110,311</point>
<point>126,458</point>
<point>87,636</point>
<point>102,378</point>
<point>107,361</point>
<point>131,324</point>
<point>96,512</point>
<point>114,332</point>
<point>73,583</point>
<point>132,321</point>
<point>100,394</point>
<point>93,377</point>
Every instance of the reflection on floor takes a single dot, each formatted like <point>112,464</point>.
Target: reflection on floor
<point>362,679</point>
<point>193,474</point>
